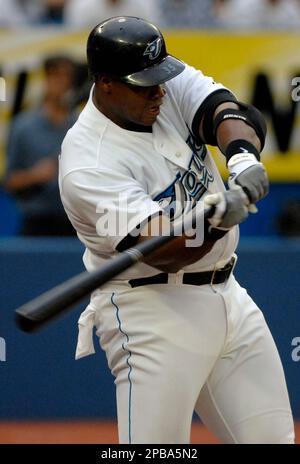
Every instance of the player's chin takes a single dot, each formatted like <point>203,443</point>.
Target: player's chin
<point>150,117</point>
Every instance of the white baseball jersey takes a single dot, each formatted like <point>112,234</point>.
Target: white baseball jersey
<point>107,170</point>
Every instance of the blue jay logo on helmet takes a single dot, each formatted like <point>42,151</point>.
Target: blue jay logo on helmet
<point>153,49</point>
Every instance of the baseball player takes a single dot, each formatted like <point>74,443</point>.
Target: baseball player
<point>179,333</point>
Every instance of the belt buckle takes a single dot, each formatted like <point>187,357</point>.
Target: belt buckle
<point>232,262</point>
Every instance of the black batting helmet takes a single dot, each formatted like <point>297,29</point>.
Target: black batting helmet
<point>132,50</point>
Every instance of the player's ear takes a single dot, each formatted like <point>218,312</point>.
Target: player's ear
<point>105,82</point>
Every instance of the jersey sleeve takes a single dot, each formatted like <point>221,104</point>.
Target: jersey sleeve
<point>190,89</point>
<point>105,206</point>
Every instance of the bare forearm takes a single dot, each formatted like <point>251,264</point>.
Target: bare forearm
<point>175,255</point>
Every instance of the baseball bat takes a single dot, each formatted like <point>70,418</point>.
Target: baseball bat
<point>41,310</point>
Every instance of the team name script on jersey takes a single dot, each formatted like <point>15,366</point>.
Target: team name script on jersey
<point>187,189</point>
<point>196,180</point>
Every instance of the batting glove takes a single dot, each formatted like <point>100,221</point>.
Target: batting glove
<point>230,208</point>
<point>247,172</point>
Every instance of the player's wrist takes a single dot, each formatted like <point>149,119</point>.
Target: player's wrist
<point>242,148</point>
<point>241,155</point>
<point>240,162</point>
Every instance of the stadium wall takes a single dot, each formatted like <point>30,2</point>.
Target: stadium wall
<point>39,378</point>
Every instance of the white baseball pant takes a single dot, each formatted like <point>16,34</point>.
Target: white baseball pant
<point>175,349</point>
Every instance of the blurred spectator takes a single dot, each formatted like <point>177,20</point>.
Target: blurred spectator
<point>52,12</point>
<point>88,13</point>
<point>257,14</point>
<point>19,12</point>
<point>187,13</point>
<point>26,12</point>
<point>32,153</point>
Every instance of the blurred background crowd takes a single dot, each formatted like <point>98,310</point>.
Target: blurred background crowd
<point>166,13</point>
<point>34,132</point>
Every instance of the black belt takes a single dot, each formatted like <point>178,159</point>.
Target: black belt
<point>190,278</point>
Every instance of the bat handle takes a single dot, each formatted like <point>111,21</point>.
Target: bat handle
<point>209,212</point>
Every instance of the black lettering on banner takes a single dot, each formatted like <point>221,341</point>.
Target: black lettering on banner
<point>282,118</point>
<point>22,81</point>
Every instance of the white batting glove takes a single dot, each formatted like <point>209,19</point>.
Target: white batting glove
<point>231,208</point>
<point>247,172</point>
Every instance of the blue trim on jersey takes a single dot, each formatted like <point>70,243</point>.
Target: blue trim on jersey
<point>127,362</point>
<point>170,190</point>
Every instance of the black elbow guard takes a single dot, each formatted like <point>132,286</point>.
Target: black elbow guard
<point>206,113</point>
<point>247,113</point>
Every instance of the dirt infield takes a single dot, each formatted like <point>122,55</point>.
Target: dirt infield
<point>83,432</point>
